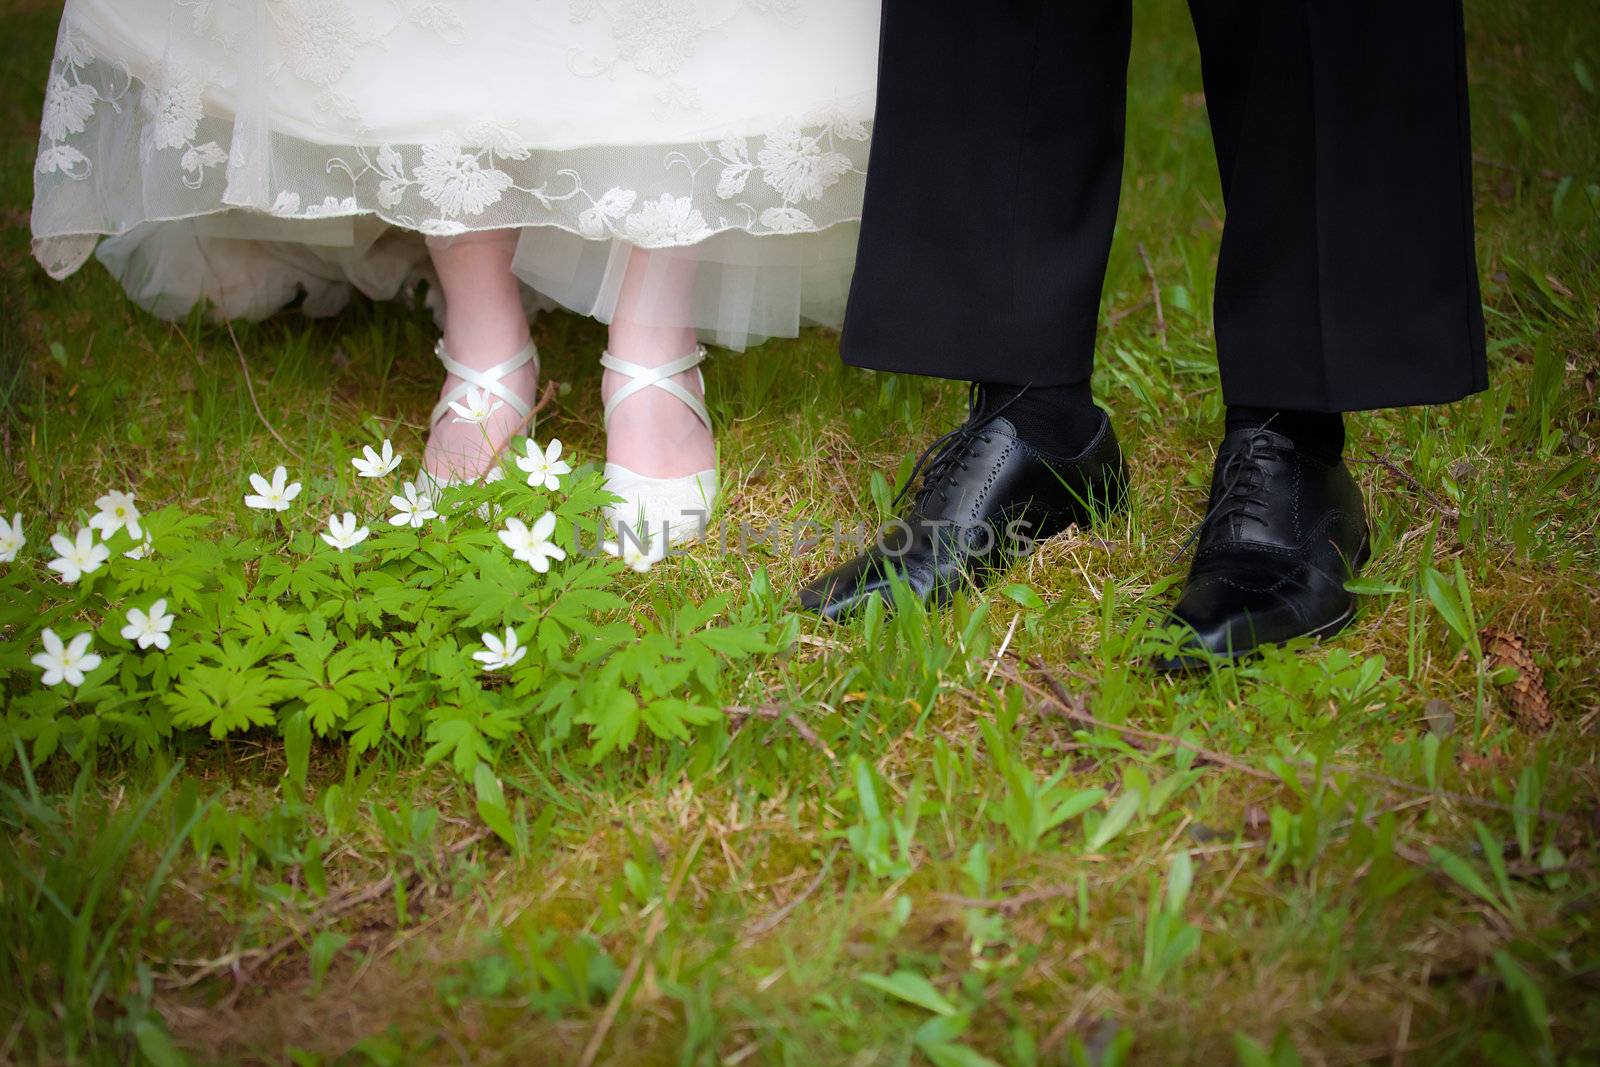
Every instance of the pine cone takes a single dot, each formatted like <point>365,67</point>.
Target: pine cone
<point>1529,699</point>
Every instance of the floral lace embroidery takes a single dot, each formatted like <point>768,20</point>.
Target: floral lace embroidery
<point>69,104</point>
<point>761,184</point>
<point>319,38</point>
<point>799,161</point>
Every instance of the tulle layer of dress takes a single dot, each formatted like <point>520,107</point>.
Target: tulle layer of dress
<point>252,153</point>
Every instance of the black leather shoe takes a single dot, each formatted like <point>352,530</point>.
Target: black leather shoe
<point>1283,533</point>
<point>986,498</point>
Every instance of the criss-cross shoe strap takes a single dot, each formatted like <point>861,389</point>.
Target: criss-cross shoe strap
<point>659,378</point>
<point>487,380</point>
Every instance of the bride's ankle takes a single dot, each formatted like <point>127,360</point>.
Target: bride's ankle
<point>655,435</point>
<point>466,437</point>
<point>483,345</point>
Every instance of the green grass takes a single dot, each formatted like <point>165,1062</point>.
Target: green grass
<point>1339,877</point>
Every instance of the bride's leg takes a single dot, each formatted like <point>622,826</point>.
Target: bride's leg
<point>484,325</point>
<point>652,433</point>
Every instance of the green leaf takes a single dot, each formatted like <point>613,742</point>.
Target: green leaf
<point>1442,595</point>
<point>156,1046</point>
<point>1527,994</point>
<point>297,746</point>
<point>1464,595</point>
<point>671,718</point>
<point>950,1054</point>
<point>1024,596</point>
<point>1116,820</point>
<point>977,868</point>
<point>1179,878</point>
<point>1372,587</point>
<point>1559,197</point>
<point>226,699</point>
<point>1465,875</point>
<point>613,717</point>
<point>325,949</point>
<point>1494,853</point>
<point>492,804</point>
<point>461,740</point>
<point>736,642</point>
<point>1073,806</point>
<point>911,988</point>
<point>866,791</point>
<point>1250,1052</point>
<point>1580,70</point>
<point>1533,286</point>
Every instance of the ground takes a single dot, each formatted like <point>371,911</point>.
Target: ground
<point>1381,849</point>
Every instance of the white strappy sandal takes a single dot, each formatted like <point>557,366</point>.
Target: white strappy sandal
<point>491,384</point>
<point>678,508</point>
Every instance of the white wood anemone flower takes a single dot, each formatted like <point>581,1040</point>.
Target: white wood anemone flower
<point>79,557</point>
<point>117,511</point>
<point>499,654</point>
<point>11,537</point>
<point>274,495</point>
<point>544,467</point>
<point>374,464</point>
<point>65,661</point>
<point>143,548</point>
<point>476,406</point>
<point>343,533</point>
<point>150,628</point>
<point>639,557</point>
<point>532,544</point>
<point>411,508</point>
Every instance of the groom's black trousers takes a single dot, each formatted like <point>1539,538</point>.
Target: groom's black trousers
<point>1347,278</point>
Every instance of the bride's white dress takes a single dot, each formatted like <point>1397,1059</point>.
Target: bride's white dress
<point>255,152</point>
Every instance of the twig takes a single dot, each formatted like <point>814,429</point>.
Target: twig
<point>1402,1039</point>
<point>250,387</point>
<point>1155,294</point>
<point>1081,715</point>
<point>331,909</point>
<point>768,923</point>
<point>523,424</point>
<point>658,922</point>
<point>820,642</point>
<point>1010,903</point>
<point>1121,313</point>
<point>1072,707</point>
<point>1495,164</point>
<point>772,713</point>
<point>1000,655</point>
<point>545,398</point>
<point>608,1018</point>
<point>1056,891</point>
<point>1450,513</point>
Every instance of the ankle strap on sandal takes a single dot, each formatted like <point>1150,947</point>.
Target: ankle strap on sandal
<point>659,378</point>
<point>487,380</point>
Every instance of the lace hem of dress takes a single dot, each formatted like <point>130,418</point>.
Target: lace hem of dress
<point>116,154</point>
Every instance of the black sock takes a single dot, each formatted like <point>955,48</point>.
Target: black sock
<point>1320,433</point>
<point>1058,420</point>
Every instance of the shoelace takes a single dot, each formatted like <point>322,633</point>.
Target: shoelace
<point>1243,483</point>
<point>950,449</point>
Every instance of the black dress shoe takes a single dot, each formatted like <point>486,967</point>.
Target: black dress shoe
<point>986,498</point>
<point>1284,531</point>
